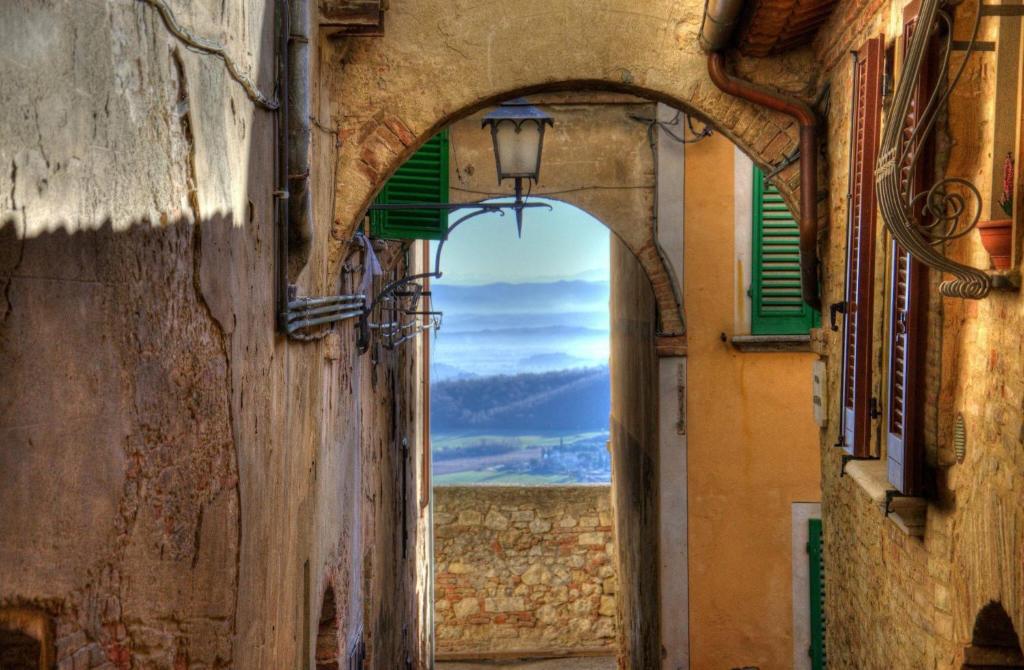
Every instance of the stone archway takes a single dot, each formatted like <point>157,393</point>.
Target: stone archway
<point>328,645</point>
<point>994,642</point>
<point>438,62</point>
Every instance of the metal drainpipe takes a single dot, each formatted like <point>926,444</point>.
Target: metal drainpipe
<point>720,19</point>
<point>299,100</point>
<point>282,169</point>
<point>808,121</point>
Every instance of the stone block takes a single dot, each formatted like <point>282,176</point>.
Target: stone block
<point>496,520</point>
<point>540,526</point>
<point>467,607</point>
<point>470,518</point>
<point>504,604</point>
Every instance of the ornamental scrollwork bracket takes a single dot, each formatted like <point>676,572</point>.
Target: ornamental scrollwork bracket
<point>953,205</point>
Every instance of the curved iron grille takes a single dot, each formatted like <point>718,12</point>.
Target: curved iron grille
<point>953,205</point>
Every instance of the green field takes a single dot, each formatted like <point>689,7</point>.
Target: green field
<point>513,459</point>
<point>490,477</point>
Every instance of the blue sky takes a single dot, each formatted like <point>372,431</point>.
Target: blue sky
<point>566,243</point>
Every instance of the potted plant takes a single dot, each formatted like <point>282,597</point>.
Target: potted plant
<point>997,234</point>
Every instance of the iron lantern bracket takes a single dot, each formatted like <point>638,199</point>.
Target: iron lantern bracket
<point>475,209</point>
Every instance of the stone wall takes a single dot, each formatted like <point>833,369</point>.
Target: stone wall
<point>524,569</point>
<point>893,600</point>
<point>634,445</point>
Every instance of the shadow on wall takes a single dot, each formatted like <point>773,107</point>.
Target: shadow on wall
<point>119,463</point>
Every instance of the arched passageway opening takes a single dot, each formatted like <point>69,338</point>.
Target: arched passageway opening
<point>328,643</point>
<point>994,642</point>
<point>391,93</point>
<point>625,164</point>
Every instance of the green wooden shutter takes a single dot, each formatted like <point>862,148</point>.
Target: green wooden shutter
<point>816,561</point>
<point>778,308</point>
<point>421,179</point>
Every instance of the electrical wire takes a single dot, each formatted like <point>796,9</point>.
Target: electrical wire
<point>667,126</point>
<point>594,187</point>
<point>210,48</point>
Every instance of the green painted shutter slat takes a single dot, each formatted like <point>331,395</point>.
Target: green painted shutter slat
<point>816,562</point>
<point>778,308</point>
<point>421,179</point>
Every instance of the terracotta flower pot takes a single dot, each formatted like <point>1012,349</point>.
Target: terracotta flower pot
<point>997,237</point>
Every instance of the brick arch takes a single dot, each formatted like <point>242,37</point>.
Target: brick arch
<point>439,61</point>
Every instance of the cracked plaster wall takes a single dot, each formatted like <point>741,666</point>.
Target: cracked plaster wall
<point>168,464</point>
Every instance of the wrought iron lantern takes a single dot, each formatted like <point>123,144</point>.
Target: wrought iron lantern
<point>517,130</point>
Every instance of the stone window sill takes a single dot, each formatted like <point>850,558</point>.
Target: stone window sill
<point>772,343</point>
<point>873,479</point>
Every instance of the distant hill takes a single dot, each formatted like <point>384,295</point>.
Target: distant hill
<point>527,298</point>
<point>440,372</point>
<point>570,400</point>
<point>507,328</point>
<point>551,361</point>
<point>456,321</point>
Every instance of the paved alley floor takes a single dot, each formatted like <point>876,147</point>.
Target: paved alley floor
<point>588,663</point>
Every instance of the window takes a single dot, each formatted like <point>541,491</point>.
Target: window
<point>421,179</point>
<point>777,306</point>
<point>860,249</point>
<point>906,318</point>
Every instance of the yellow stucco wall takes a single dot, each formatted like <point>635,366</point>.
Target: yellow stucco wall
<point>752,445</point>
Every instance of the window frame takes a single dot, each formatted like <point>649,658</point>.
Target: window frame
<point>862,219</point>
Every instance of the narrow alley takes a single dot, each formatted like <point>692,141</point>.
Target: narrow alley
<point>412,335</point>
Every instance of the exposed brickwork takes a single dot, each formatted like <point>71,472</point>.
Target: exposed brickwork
<point>895,601</point>
<point>524,568</point>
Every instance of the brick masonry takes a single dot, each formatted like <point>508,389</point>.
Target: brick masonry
<point>526,569</point>
<point>895,601</point>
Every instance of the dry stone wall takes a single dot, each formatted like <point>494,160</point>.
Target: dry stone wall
<point>524,569</point>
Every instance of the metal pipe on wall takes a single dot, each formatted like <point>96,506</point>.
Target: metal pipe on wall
<point>808,121</point>
<point>720,19</point>
<point>299,103</point>
<point>282,169</point>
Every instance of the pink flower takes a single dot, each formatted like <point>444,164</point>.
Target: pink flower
<point>1006,202</point>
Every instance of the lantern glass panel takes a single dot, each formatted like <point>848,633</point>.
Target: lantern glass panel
<point>518,148</point>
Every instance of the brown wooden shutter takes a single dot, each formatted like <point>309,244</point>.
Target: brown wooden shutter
<point>860,248</point>
<point>908,302</point>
